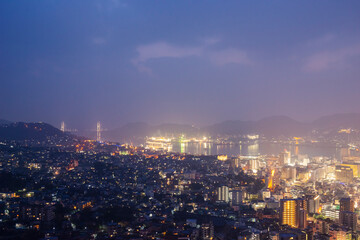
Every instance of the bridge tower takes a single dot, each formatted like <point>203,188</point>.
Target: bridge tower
<point>62,126</point>
<point>98,131</point>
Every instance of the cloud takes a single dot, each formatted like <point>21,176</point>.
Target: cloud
<point>211,41</point>
<point>321,40</point>
<point>161,50</point>
<point>118,3</point>
<point>108,6</point>
<point>99,41</point>
<point>229,56</point>
<point>325,60</point>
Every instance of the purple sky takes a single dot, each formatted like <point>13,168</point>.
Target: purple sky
<point>197,62</point>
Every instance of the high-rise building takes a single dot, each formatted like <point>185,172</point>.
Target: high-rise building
<point>207,231</point>
<point>288,212</point>
<point>236,198</point>
<point>253,164</point>
<point>347,216</point>
<point>323,226</point>
<point>347,204</point>
<point>288,173</point>
<point>285,158</point>
<point>344,174</point>
<point>355,166</point>
<point>313,203</point>
<point>223,194</point>
<point>237,162</point>
<point>293,212</point>
<point>348,219</point>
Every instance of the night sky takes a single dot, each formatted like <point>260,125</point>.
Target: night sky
<point>197,62</point>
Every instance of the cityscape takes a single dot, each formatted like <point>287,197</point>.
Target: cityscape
<point>179,120</point>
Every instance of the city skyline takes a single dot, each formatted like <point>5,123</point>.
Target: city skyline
<point>180,120</point>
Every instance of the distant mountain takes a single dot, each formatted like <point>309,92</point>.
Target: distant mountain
<point>270,127</point>
<point>130,130</point>
<point>230,127</point>
<point>136,132</point>
<point>281,125</point>
<point>29,131</point>
<point>3,121</point>
<point>345,120</point>
<point>273,126</point>
<point>175,129</point>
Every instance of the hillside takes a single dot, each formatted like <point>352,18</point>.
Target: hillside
<point>29,131</point>
<point>346,120</point>
<point>3,121</point>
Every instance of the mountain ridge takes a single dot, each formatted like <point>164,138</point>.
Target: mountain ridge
<point>3,121</point>
<point>272,126</point>
<point>20,131</point>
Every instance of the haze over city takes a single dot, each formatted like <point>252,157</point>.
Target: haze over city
<point>179,120</point>
<point>189,62</point>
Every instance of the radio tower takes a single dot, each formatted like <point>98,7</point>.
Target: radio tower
<point>98,132</point>
<point>62,126</point>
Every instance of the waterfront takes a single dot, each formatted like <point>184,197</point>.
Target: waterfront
<point>259,148</point>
